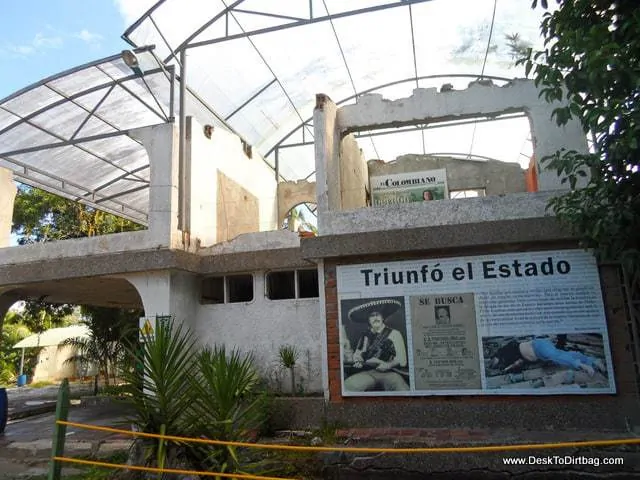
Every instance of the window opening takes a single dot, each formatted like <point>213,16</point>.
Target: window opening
<point>292,284</point>
<point>228,289</point>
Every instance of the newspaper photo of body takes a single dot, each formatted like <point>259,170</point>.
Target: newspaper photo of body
<point>574,360</point>
<point>374,352</point>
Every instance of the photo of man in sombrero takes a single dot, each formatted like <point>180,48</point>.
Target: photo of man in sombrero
<point>379,361</point>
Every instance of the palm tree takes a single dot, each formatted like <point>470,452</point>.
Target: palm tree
<point>160,391</point>
<point>109,331</point>
<point>228,406</point>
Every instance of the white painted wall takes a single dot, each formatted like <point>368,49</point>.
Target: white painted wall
<point>51,364</point>
<point>263,326</point>
<point>224,153</point>
<point>259,327</point>
<point>161,143</point>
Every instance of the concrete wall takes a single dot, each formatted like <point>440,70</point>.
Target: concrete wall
<point>430,214</point>
<point>7,196</point>
<point>341,171</point>
<point>354,176</point>
<point>81,247</point>
<point>327,152</point>
<point>494,176</point>
<point>243,176</point>
<point>294,193</point>
<point>238,210</point>
<point>161,143</point>
<point>481,98</point>
<point>51,364</point>
<point>262,326</point>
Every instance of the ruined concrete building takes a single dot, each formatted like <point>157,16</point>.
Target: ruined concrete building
<point>456,253</point>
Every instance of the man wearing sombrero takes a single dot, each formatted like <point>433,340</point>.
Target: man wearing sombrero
<point>380,352</point>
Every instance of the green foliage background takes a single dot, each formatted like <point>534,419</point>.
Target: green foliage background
<point>591,60</point>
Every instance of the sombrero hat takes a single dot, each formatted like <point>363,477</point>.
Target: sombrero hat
<point>385,307</point>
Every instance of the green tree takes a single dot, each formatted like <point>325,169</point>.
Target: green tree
<point>591,61</point>
<point>13,331</point>
<point>39,216</point>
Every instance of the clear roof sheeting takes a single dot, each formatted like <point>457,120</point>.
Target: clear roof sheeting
<point>68,134</point>
<point>260,64</point>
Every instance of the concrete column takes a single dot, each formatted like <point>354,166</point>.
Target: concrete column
<point>7,197</point>
<point>161,143</point>
<point>168,293</point>
<point>548,138</point>
<point>327,153</point>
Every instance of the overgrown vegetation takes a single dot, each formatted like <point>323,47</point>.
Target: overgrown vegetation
<point>110,331</point>
<point>182,390</point>
<point>590,61</point>
<point>288,355</point>
<point>13,331</point>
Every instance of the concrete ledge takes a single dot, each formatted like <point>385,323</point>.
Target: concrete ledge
<point>252,261</point>
<point>95,265</point>
<point>441,238</point>
<point>57,269</point>
<point>596,413</point>
<point>493,208</point>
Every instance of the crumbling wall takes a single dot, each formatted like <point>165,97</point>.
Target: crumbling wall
<point>494,176</point>
<point>294,193</point>
<point>354,176</point>
<point>237,210</point>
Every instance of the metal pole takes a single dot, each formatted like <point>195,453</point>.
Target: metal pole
<point>181,145</point>
<point>172,71</point>
<point>22,362</point>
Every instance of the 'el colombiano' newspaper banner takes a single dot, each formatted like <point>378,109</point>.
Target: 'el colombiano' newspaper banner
<point>409,187</point>
<point>518,323</point>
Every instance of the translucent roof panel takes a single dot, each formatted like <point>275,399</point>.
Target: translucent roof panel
<point>260,64</point>
<point>68,134</point>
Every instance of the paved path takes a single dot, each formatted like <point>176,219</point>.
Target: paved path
<point>25,447</point>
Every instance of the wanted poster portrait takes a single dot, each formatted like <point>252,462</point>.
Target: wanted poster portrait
<point>445,342</point>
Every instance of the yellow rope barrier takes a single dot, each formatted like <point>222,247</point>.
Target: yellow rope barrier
<point>487,448</point>
<point>167,470</point>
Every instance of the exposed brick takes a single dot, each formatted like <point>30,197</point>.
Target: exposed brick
<point>331,308</point>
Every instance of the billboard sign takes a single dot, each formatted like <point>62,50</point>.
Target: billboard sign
<point>521,323</point>
<point>409,187</point>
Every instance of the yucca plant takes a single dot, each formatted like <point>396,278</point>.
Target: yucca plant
<point>227,407</point>
<point>161,391</point>
<point>288,356</point>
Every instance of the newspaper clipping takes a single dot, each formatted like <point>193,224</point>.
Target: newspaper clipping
<point>506,324</point>
<point>445,343</point>
<point>409,187</point>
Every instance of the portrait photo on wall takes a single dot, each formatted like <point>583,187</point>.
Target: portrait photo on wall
<point>373,345</point>
<point>571,360</point>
